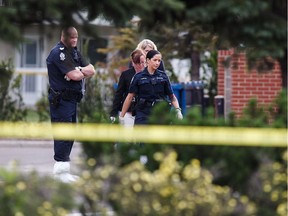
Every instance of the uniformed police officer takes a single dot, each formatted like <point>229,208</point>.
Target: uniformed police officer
<point>67,70</point>
<point>150,86</point>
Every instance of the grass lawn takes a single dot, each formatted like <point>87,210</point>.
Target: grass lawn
<point>34,116</point>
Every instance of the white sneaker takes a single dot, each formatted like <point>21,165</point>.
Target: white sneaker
<point>61,172</point>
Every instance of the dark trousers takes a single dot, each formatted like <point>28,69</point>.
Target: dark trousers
<point>142,116</point>
<point>65,112</point>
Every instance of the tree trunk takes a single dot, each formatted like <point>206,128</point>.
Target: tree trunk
<point>195,69</point>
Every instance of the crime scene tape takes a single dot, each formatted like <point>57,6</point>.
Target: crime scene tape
<point>264,137</point>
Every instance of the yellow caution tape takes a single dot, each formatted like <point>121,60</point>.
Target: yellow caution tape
<point>265,137</point>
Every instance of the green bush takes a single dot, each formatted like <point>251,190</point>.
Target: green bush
<point>230,166</point>
<point>268,187</point>
<point>11,102</point>
<point>172,189</point>
<point>42,108</point>
<point>31,194</point>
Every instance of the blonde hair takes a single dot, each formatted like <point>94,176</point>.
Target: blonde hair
<point>146,42</point>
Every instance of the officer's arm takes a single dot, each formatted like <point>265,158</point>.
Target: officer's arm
<point>174,101</point>
<point>75,75</point>
<point>126,104</point>
<point>81,72</point>
<point>88,70</point>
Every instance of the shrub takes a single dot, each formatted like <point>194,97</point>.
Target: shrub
<point>31,194</point>
<point>170,190</point>
<point>11,102</point>
<point>268,187</point>
<point>42,108</point>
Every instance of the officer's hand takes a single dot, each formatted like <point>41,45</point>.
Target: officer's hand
<point>67,78</point>
<point>121,120</point>
<point>112,119</point>
<point>179,114</point>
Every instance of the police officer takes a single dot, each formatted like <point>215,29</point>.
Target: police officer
<point>138,64</point>
<point>150,86</point>
<point>67,70</point>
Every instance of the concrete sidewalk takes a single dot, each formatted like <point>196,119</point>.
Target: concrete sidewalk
<point>33,155</point>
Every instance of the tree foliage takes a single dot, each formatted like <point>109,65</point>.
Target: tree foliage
<point>11,102</point>
<point>119,51</point>
<point>251,24</point>
<point>259,27</point>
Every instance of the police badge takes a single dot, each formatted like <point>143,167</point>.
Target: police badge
<point>62,56</point>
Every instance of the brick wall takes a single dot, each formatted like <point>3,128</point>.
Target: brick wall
<point>238,85</point>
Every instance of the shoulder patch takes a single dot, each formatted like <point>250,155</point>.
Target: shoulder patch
<point>62,56</point>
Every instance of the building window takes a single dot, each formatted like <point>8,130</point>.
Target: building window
<point>30,57</point>
<point>29,82</point>
<point>30,53</point>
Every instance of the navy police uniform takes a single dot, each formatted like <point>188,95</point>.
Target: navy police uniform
<point>149,90</point>
<point>63,94</point>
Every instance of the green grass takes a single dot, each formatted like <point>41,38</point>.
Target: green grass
<point>32,116</point>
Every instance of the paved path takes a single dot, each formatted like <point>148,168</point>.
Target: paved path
<point>33,155</point>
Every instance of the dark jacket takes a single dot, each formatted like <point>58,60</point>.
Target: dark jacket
<point>122,91</point>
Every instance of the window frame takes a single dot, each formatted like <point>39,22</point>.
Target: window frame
<point>23,53</point>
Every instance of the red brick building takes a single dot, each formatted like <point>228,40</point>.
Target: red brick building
<point>238,85</point>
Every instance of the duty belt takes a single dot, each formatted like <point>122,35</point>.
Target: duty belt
<point>152,103</point>
<point>68,94</point>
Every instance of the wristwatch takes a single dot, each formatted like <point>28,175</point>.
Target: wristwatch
<point>80,68</point>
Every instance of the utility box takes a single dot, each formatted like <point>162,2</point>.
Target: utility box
<point>194,93</point>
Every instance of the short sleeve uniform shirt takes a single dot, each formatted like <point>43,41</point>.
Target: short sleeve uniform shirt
<point>151,87</point>
<point>60,61</point>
